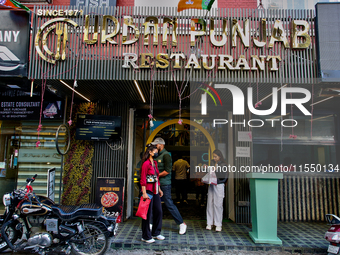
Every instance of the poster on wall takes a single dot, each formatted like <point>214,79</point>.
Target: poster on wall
<point>110,194</point>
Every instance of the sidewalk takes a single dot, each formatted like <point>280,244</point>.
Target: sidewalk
<point>297,237</point>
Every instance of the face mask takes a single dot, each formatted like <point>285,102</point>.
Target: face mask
<point>155,155</point>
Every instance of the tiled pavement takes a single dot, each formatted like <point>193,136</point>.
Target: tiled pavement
<point>301,237</point>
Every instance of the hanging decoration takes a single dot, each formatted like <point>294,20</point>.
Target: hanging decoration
<point>74,86</point>
<point>152,95</point>
<point>311,117</point>
<point>43,87</point>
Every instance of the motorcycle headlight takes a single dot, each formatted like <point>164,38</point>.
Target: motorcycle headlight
<point>6,199</point>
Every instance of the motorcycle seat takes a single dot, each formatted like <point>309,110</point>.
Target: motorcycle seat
<point>70,212</point>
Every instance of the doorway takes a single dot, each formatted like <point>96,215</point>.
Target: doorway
<point>191,142</point>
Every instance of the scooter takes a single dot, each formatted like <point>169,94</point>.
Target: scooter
<point>333,234</point>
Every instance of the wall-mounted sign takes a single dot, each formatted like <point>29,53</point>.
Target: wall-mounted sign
<point>117,32</point>
<point>110,194</point>
<point>243,152</point>
<point>245,136</point>
<point>93,3</point>
<point>51,183</point>
<point>14,42</point>
<point>98,127</point>
<point>26,108</point>
<point>41,155</point>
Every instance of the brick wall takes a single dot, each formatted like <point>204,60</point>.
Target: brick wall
<point>246,4</point>
<point>61,2</point>
<point>125,2</point>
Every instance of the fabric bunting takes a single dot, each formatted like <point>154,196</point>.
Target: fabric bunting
<point>13,4</point>
<point>195,4</point>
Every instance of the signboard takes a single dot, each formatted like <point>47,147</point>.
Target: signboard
<point>98,127</point>
<point>110,194</point>
<point>243,152</point>
<point>14,42</point>
<point>51,183</point>
<point>18,105</point>
<point>93,3</point>
<point>127,30</point>
<point>41,156</point>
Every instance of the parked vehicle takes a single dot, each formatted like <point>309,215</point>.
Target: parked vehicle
<point>37,224</point>
<point>333,234</point>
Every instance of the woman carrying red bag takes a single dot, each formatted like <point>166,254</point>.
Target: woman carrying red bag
<point>151,190</point>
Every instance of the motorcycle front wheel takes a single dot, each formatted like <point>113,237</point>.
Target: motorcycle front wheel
<point>12,234</point>
<point>95,240</point>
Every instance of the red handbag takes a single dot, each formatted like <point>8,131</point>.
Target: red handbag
<point>143,208</point>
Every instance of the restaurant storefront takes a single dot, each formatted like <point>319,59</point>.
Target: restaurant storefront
<point>201,81</point>
<point>20,111</point>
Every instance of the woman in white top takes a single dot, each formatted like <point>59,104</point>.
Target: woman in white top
<point>216,194</point>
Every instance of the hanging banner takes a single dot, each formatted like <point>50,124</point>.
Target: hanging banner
<point>14,43</point>
<point>110,194</point>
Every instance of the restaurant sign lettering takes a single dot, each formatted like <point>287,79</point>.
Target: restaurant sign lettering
<point>108,30</point>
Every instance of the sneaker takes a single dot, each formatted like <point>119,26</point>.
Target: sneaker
<point>208,227</point>
<point>148,241</point>
<point>219,228</point>
<point>182,228</point>
<point>159,237</point>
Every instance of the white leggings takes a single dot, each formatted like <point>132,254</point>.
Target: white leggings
<point>215,205</point>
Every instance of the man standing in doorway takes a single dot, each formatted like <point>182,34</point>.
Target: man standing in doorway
<point>165,167</point>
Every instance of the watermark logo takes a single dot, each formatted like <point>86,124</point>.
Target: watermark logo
<point>204,98</point>
<point>239,100</point>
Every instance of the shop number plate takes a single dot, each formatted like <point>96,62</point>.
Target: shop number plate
<point>333,249</point>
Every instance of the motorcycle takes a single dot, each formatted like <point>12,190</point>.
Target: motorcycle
<point>36,224</point>
<point>333,234</point>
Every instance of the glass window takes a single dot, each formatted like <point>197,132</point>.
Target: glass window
<point>320,128</point>
<point>21,159</point>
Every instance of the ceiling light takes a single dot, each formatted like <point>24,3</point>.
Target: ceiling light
<point>13,86</point>
<point>323,117</point>
<point>271,94</point>
<point>74,90</point>
<point>140,92</point>
<point>279,116</point>
<point>322,100</point>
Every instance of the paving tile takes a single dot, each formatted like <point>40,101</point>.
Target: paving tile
<point>233,236</point>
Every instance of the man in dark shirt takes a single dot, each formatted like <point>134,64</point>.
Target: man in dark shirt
<point>165,167</point>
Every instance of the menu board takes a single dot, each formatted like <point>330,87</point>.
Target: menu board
<point>98,127</point>
<point>110,195</point>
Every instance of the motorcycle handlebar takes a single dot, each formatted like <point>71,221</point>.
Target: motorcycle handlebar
<point>30,180</point>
